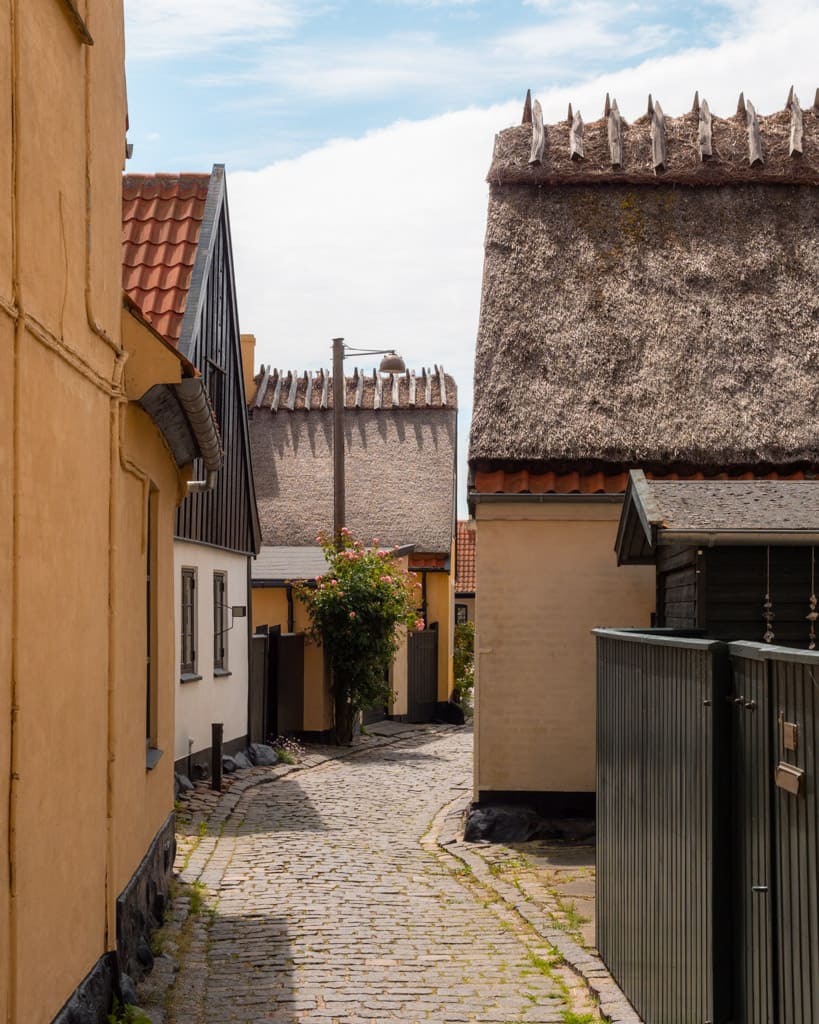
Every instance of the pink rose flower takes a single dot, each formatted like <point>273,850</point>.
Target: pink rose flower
<point>352,615</point>
<point>419,625</point>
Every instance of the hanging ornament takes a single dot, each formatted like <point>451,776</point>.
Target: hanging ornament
<point>812,615</point>
<point>767,604</point>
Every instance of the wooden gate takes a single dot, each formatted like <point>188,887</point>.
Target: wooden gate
<point>775,701</point>
<point>708,828</point>
<point>422,674</point>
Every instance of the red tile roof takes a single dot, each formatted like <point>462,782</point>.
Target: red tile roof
<point>161,221</point>
<point>465,559</point>
<point>523,481</point>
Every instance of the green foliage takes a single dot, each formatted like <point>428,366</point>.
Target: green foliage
<point>464,660</point>
<point>358,609</point>
<point>127,1014</point>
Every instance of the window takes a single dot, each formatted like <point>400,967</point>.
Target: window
<point>220,623</point>
<point>461,614</point>
<point>188,666</point>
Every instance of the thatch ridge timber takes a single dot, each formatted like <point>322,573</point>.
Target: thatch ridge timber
<point>730,163</point>
<point>664,327</point>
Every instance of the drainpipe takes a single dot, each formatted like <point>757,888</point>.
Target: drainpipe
<point>193,398</point>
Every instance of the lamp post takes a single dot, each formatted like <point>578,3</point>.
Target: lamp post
<point>391,363</point>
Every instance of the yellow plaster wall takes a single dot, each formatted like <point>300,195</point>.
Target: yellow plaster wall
<point>441,609</point>
<point>270,608</point>
<point>79,810</point>
<point>546,574</point>
<point>134,787</point>
<point>248,367</point>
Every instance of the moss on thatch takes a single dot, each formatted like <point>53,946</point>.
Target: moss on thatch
<point>656,326</point>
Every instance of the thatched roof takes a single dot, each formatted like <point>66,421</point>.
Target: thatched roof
<point>399,463</point>
<point>637,322</point>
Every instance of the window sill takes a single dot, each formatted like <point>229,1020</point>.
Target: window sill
<point>189,677</point>
<point>217,672</point>
<point>152,756</point>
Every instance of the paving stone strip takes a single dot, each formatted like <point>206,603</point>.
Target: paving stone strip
<point>326,898</point>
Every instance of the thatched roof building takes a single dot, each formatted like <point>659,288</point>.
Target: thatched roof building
<point>650,298</point>
<point>400,444</point>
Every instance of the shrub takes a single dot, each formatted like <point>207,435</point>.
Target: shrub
<point>358,610</point>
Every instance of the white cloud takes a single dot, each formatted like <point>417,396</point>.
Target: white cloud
<point>170,28</point>
<point>379,239</point>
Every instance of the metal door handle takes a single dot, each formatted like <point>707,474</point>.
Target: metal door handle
<point>759,888</point>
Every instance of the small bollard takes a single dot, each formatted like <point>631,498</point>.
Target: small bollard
<point>216,756</point>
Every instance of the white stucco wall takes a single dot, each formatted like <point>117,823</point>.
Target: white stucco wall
<point>221,698</point>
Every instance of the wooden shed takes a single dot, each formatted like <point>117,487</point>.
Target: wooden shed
<point>735,559</point>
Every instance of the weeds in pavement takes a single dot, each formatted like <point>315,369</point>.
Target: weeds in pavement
<point>127,1013</point>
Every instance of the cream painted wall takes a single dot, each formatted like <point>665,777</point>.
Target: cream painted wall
<point>213,698</point>
<point>546,574</point>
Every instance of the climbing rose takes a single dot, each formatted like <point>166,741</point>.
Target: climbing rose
<point>352,615</point>
<point>419,625</point>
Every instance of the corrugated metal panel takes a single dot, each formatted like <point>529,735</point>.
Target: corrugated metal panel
<point>753,867</point>
<point>795,682</point>
<point>661,825</point>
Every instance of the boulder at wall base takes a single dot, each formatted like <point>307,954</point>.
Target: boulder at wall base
<point>241,760</point>
<point>509,824</point>
<point>128,989</point>
<point>228,764</point>
<point>182,783</point>
<point>449,711</point>
<point>262,756</point>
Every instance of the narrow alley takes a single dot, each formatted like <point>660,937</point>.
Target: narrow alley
<point>326,898</point>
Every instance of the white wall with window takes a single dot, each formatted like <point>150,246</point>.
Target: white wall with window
<point>211,646</point>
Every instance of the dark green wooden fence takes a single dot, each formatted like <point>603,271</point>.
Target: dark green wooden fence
<point>708,828</point>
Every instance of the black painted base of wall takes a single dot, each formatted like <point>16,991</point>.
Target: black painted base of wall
<point>141,905</point>
<point>547,804</point>
<point>93,998</point>
<point>202,757</point>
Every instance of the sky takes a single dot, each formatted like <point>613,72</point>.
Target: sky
<point>357,135</point>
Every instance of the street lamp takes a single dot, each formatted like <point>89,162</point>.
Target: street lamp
<point>391,363</point>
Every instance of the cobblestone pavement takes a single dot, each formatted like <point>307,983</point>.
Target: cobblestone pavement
<point>331,902</point>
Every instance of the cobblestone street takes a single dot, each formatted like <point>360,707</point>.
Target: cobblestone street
<point>327,899</point>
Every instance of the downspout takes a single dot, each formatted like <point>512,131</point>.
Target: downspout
<point>192,396</point>
<point>14,752</point>
<point>290,614</point>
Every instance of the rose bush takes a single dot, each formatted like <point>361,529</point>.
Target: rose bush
<point>359,610</point>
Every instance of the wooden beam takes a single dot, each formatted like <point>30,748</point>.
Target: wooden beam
<point>325,389</point>
<point>308,390</point>
<point>442,384</point>
<point>576,146</point>
<point>538,135</point>
<point>615,135</point>
<point>658,153</point>
<point>795,147</point>
<point>706,152</point>
<point>359,388</point>
<point>411,398</point>
<point>294,390</point>
<point>277,392</point>
<point>607,106</point>
<point>427,388</point>
<point>816,103</point>
<point>261,391</point>
<point>754,141</point>
<point>741,111</point>
<point>379,393</point>
<point>527,108</point>
<point>570,115</point>
<point>695,108</point>
<point>395,398</point>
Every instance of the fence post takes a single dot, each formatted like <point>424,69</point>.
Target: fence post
<point>216,756</point>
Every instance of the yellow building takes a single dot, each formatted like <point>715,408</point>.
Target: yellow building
<point>86,525</point>
<point>400,433</point>
<point>638,311</point>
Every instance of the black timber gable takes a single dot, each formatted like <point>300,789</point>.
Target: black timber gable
<point>225,516</point>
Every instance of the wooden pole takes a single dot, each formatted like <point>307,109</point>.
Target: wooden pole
<point>216,731</point>
<point>338,438</point>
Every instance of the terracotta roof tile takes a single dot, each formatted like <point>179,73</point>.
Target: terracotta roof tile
<point>465,559</point>
<point>524,481</point>
<point>161,221</point>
